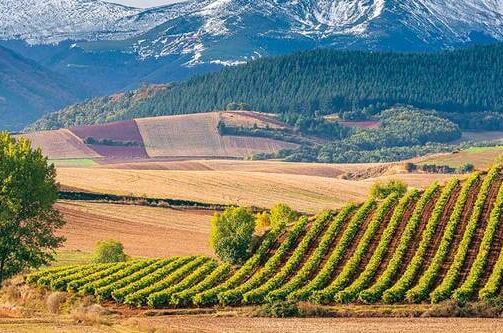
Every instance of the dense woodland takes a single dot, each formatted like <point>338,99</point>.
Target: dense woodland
<point>354,84</point>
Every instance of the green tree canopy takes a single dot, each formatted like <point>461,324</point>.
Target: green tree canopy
<point>381,190</point>
<point>109,251</point>
<point>232,233</point>
<point>281,216</point>
<point>28,220</point>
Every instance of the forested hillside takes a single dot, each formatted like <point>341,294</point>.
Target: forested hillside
<point>351,83</point>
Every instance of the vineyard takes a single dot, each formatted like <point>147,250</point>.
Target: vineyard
<point>426,246</point>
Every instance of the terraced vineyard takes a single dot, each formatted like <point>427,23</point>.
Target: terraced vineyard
<point>442,243</point>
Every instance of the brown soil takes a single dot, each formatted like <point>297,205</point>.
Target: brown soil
<point>339,325</point>
<point>144,231</point>
<point>444,219</point>
<point>375,242</point>
<point>479,233</point>
<point>419,233</point>
<point>494,253</point>
<point>465,217</point>
<point>334,243</point>
<point>354,244</point>
<point>395,240</point>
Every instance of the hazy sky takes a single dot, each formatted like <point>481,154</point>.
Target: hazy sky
<point>144,3</point>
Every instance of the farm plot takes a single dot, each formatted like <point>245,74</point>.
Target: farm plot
<point>383,251</point>
<point>61,144</point>
<point>305,193</point>
<point>144,231</point>
<point>197,135</point>
<point>124,139</point>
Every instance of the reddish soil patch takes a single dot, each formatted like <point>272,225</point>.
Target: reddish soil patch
<point>354,244</point>
<point>126,131</point>
<point>395,240</point>
<point>465,217</point>
<point>419,235</point>
<point>479,233</point>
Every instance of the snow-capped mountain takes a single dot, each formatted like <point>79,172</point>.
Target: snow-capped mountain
<point>232,31</point>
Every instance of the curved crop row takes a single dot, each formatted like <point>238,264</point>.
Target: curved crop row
<point>184,298</point>
<point>314,261</point>
<point>466,291</point>
<point>105,292</point>
<point>365,278</point>
<point>324,275</point>
<point>91,287</point>
<point>62,282</point>
<point>374,293</point>
<point>235,295</point>
<point>120,294</point>
<point>46,280</point>
<point>446,288</point>
<point>159,281</point>
<point>493,284</point>
<point>326,295</point>
<point>35,276</point>
<point>421,291</point>
<point>74,285</point>
<point>257,295</point>
<point>397,292</point>
<point>210,296</point>
<point>163,297</point>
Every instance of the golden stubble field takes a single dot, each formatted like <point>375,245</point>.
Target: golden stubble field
<point>252,185</point>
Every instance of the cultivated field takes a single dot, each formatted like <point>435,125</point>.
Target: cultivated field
<point>426,246</point>
<point>306,193</point>
<point>263,188</point>
<point>196,135</point>
<point>308,169</point>
<point>61,144</point>
<point>122,131</point>
<point>480,157</point>
<point>144,231</point>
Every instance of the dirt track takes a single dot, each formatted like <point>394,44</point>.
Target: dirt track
<point>339,325</point>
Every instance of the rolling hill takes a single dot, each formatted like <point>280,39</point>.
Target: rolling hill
<point>28,90</point>
<point>182,136</point>
<point>352,84</point>
<point>425,246</point>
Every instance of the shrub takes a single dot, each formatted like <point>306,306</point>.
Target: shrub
<point>109,251</point>
<point>282,309</point>
<point>232,234</point>
<point>282,215</point>
<point>262,221</point>
<point>381,190</point>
